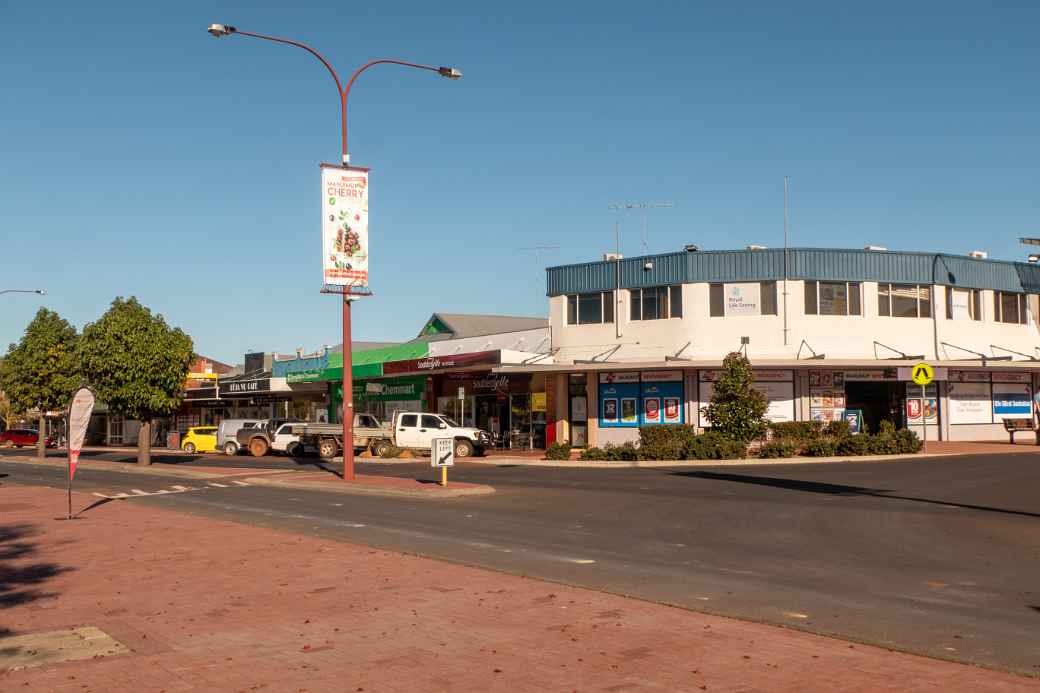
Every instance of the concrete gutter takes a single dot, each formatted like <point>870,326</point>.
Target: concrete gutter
<point>748,461</point>
<point>370,486</point>
<point>184,471</point>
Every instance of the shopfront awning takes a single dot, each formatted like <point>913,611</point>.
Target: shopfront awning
<point>809,364</point>
<point>366,364</point>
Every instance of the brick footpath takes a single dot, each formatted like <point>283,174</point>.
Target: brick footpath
<point>208,605</point>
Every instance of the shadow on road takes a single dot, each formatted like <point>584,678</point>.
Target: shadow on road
<point>21,584</point>
<point>838,490</point>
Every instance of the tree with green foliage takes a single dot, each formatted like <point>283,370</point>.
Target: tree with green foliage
<point>40,373</point>
<point>737,409</point>
<point>137,365</point>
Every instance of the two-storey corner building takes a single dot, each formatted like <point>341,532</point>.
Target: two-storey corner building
<point>831,333</point>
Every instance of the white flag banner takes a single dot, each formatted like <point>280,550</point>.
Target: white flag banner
<point>344,226</point>
<point>79,417</point>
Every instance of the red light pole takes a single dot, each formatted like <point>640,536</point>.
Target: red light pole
<point>218,30</point>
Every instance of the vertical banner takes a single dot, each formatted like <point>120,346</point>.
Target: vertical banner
<point>79,417</point>
<point>344,226</point>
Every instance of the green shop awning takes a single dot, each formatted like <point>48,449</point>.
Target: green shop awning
<point>366,364</point>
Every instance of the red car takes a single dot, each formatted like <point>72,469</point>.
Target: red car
<point>22,437</point>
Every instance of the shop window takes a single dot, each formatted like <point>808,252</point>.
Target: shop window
<point>655,303</point>
<point>832,298</point>
<point>1009,307</point>
<point>590,309</point>
<point>963,304</point>
<point>904,301</point>
<point>744,298</point>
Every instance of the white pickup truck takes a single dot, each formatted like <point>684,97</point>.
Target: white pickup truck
<point>416,431</point>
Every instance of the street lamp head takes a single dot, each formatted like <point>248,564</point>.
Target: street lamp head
<point>42,292</point>
<point>219,30</point>
<point>449,72</point>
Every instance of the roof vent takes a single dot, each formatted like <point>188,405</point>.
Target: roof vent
<point>690,248</point>
<point>875,248</point>
<point>754,246</point>
<point>978,254</point>
<point>612,257</point>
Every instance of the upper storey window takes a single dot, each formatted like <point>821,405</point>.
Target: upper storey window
<point>833,298</point>
<point>963,304</point>
<point>655,303</point>
<point>904,300</point>
<point>1009,307</point>
<point>590,309</point>
<point>744,298</point>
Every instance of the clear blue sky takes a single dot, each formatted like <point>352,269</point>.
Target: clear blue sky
<point>140,156</point>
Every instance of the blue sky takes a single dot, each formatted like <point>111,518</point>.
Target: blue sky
<point>140,156</point>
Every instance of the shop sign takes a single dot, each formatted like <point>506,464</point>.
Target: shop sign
<point>433,363</point>
<point>969,377</point>
<point>245,387</point>
<point>1012,401</point>
<point>999,377</point>
<point>661,376</point>
<point>309,375</point>
<point>538,401</point>
<point>196,393</point>
<point>826,379</point>
<point>760,375</point>
<point>344,226</point>
<point>491,384</point>
<point>402,389</point>
<point>779,399</point>
<point>615,377</point>
<point>871,375</point>
<point>970,402</point>
<point>743,298</point>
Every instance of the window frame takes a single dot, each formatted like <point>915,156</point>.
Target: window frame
<point>664,298</point>
<point>974,303</point>
<point>919,289</point>
<point>853,298</point>
<point>1021,307</point>
<point>606,308</point>
<point>717,298</point>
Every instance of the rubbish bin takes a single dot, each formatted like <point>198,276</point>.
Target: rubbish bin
<point>173,440</point>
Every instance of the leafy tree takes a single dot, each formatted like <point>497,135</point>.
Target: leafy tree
<point>40,373</point>
<point>736,409</point>
<point>137,365</point>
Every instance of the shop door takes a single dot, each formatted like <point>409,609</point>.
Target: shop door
<point>879,401</point>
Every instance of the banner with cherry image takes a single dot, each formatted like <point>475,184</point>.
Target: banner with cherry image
<point>344,226</point>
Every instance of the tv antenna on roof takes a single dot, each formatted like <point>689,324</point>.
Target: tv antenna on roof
<point>538,249</point>
<point>619,206</point>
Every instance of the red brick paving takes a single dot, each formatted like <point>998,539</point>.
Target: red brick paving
<point>215,606</point>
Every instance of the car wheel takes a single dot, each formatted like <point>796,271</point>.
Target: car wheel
<point>189,448</point>
<point>258,447</point>
<point>328,448</point>
<point>293,449</point>
<point>463,448</point>
<point>230,449</point>
<point>382,448</point>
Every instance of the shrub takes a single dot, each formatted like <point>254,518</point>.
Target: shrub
<point>736,410</point>
<point>592,454</point>
<point>622,453</point>
<point>558,451</point>
<point>787,447</point>
<point>664,442</point>
<point>862,444</point>
<point>390,451</point>
<point>838,429</point>
<point>821,447</point>
<point>796,430</point>
<point>714,446</point>
<point>887,428</point>
<point>907,441</point>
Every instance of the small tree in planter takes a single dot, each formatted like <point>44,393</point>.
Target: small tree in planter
<point>736,410</point>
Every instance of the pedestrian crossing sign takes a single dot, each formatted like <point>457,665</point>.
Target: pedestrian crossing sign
<point>922,374</point>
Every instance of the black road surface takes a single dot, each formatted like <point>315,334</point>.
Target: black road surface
<point>939,556</point>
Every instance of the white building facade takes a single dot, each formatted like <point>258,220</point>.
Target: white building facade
<point>832,334</point>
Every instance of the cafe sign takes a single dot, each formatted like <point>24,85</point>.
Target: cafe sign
<point>245,387</point>
<point>436,363</point>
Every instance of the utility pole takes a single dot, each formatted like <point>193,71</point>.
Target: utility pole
<point>786,189</point>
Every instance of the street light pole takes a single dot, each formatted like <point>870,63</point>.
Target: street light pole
<point>42,292</point>
<point>218,30</point>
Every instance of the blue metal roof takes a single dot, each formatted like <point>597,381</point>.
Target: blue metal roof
<point>803,263</point>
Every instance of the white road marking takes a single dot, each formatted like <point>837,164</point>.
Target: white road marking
<point>213,483</point>
<point>795,614</point>
<point>140,492</point>
<point>240,483</point>
<point>582,561</point>
<point>183,488</point>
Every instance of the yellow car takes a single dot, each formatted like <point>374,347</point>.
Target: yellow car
<point>200,439</point>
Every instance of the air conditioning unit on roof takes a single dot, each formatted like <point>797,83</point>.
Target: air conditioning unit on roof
<point>978,254</point>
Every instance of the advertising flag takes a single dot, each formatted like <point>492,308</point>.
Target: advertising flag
<point>344,226</point>
<point>79,416</point>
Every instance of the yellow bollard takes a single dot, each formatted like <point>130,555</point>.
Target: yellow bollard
<point>444,476</point>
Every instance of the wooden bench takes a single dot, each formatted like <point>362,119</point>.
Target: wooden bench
<point>1013,426</point>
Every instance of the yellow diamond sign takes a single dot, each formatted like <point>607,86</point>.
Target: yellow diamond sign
<point>922,374</point>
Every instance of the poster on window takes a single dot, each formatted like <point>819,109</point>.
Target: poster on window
<point>344,226</point>
<point>970,403</point>
<point>959,304</point>
<point>652,410</point>
<point>672,412</point>
<point>743,298</point>
<point>1012,401</point>
<point>628,410</point>
<point>610,414</point>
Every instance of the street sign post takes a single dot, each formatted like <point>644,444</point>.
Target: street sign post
<point>462,405</point>
<point>922,374</point>
<point>442,454</point>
